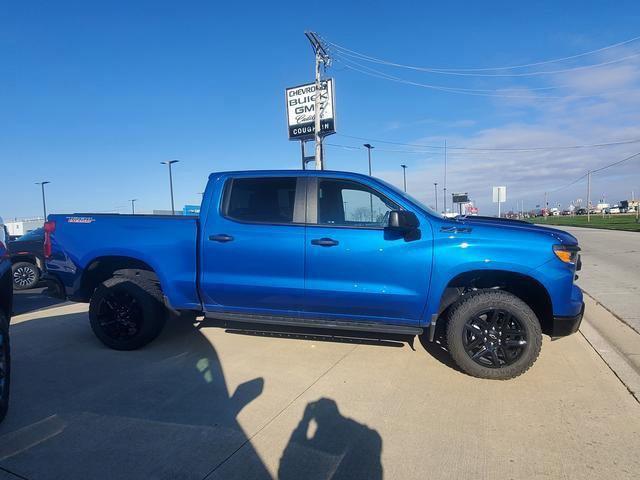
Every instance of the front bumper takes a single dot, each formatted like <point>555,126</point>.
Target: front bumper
<point>563,326</point>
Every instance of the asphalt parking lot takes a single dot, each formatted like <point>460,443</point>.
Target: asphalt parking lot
<point>202,402</point>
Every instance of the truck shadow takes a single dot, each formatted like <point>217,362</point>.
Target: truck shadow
<point>439,349</point>
<point>80,410</point>
<point>25,301</point>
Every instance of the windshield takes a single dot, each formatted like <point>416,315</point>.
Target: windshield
<point>33,234</point>
<point>412,199</point>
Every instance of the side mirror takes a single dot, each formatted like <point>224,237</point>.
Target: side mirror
<point>402,221</point>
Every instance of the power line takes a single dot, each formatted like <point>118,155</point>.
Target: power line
<point>467,91</point>
<point>342,53</point>
<point>616,163</point>
<point>496,149</point>
<point>511,67</point>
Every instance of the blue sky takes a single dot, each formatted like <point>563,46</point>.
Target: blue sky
<point>95,94</point>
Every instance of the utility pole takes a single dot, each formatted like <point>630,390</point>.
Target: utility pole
<point>444,193</point>
<point>133,206</point>
<point>435,189</point>
<point>169,163</point>
<point>404,175</point>
<point>546,206</point>
<point>44,201</point>
<point>589,196</point>
<point>322,57</point>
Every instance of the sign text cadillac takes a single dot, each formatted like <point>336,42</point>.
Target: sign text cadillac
<point>301,110</point>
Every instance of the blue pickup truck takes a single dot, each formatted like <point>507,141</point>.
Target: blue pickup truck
<point>323,249</point>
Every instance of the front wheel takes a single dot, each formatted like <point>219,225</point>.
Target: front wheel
<point>25,275</point>
<point>127,313</point>
<point>493,334</point>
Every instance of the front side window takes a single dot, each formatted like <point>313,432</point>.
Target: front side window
<point>262,200</point>
<point>351,204</point>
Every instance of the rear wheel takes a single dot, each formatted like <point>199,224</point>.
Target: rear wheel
<point>127,313</point>
<point>493,334</point>
<point>25,275</point>
<point>5,366</point>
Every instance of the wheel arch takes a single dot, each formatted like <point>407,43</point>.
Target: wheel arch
<point>26,257</point>
<point>523,286</point>
<point>102,268</point>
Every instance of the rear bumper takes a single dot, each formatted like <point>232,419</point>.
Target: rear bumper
<point>563,326</point>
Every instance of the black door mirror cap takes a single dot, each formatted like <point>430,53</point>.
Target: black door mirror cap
<point>402,221</point>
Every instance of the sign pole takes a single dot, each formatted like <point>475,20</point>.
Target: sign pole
<point>589,196</point>
<point>316,111</point>
<point>304,162</point>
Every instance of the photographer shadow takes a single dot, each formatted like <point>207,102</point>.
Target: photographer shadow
<point>325,444</point>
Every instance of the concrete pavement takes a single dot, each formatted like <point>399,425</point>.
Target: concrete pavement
<point>611,270</point>
<point>201,402</point>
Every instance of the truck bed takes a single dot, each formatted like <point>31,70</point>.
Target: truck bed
<point>166,243</point>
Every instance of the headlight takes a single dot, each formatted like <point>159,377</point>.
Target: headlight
<point>567,253</point>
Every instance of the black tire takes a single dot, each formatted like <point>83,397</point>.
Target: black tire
<point>25,275</point>
<point>127,313</point>
<point>501,324</point>
<point>5,366</point>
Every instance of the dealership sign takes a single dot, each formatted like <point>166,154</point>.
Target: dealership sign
<point>301,110</point>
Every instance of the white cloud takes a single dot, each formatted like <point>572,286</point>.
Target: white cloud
<point>593,112</point>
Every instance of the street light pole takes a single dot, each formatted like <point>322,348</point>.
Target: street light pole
<point>133,207</point>
<point>44,200</point>
<point>404,175</point>
<point>435,189</point>
<point>368,146</point>
<point>169,163</point>
<point>444,191</point>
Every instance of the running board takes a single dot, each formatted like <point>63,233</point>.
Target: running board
<point>316,323</point>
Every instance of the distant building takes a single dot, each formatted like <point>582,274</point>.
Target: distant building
<point>18,228</point>
<point>191,210</point>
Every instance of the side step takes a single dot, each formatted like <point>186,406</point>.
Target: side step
<point>316,323</point>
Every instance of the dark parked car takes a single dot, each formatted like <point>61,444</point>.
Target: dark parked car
<point>27,259</point>
<point>6,304</point>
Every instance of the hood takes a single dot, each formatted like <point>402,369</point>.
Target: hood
<point>562,236</point>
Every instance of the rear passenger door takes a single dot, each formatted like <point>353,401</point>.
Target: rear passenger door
<point>253,247</point>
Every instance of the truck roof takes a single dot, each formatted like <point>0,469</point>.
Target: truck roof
<point>296,172</point>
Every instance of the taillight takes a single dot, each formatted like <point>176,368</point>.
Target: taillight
<point>49,228</point>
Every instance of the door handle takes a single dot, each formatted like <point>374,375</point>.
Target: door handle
<point>221,237</point>
<point>325,242</point>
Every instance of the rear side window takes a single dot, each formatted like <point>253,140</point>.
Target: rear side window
<point>262,200</point>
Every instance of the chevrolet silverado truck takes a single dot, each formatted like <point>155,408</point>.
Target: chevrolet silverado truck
<point>323,249</point>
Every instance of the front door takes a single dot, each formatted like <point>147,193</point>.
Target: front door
<point>253,247</point>
<point>355,269</point>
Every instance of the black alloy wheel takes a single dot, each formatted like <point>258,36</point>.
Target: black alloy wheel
<point>494,338</point>
<point>120,315</point>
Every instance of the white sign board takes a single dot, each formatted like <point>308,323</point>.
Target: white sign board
<point>301,110</point>
<point>499,194</point>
